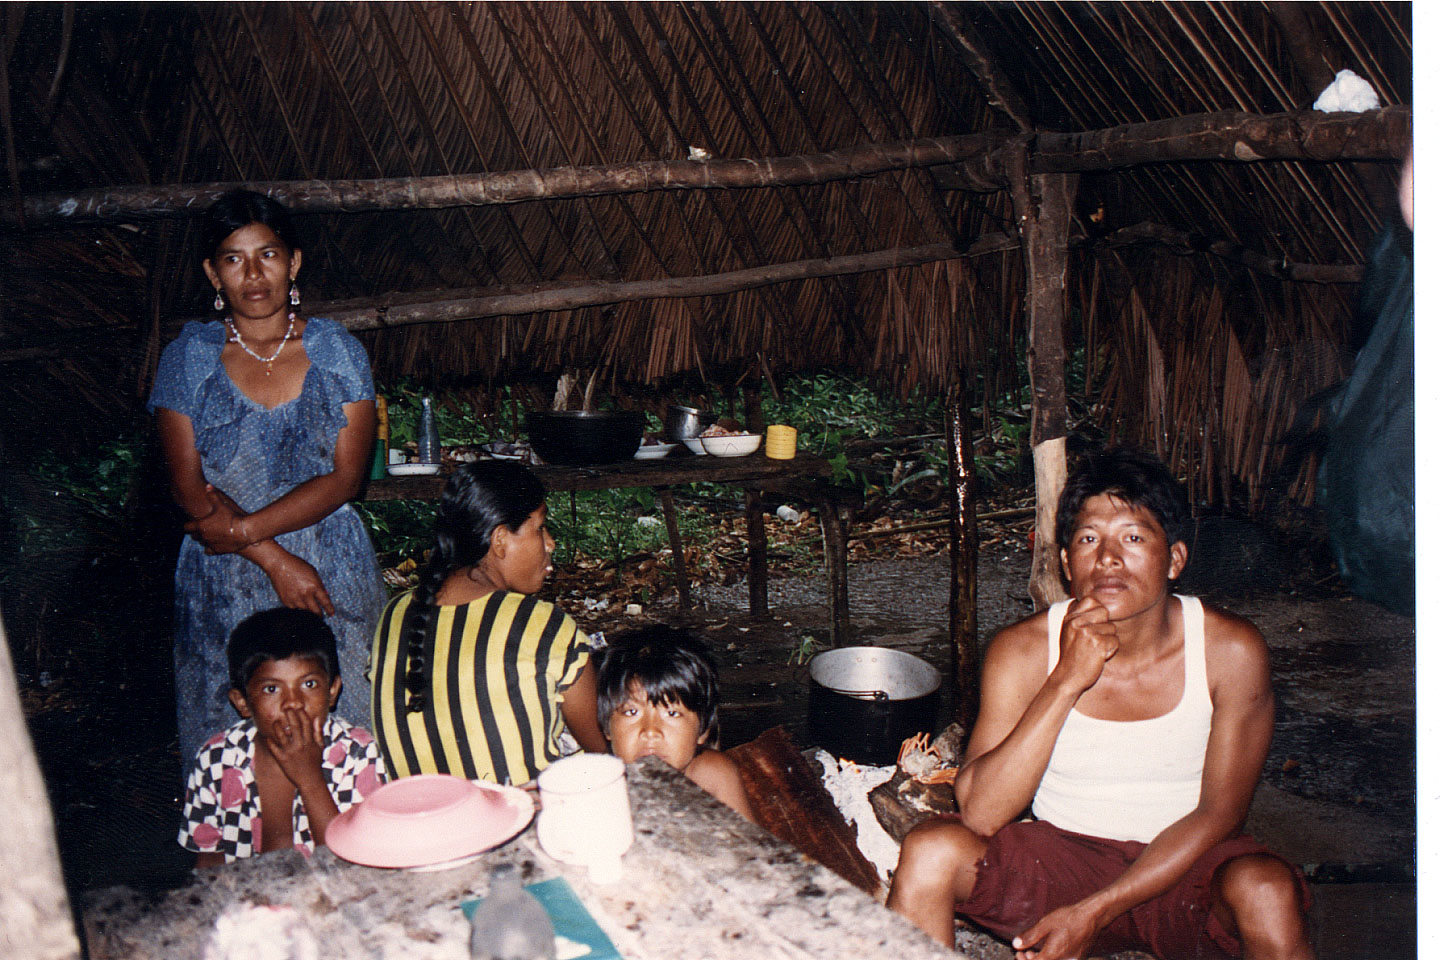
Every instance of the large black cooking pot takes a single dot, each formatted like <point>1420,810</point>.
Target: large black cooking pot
<point>585,436</point>
<point>866,701</point>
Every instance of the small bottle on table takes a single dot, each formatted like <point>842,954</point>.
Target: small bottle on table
<point>510,924</point>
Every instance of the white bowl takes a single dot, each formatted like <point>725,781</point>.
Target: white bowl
<point>428,819</point>
<point>745,443</point>
<point>695,446</point>
<point>653,451</point>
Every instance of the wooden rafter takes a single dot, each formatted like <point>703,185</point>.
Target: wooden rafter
<point>526,72</point>
<point>421,107</point>
<point>800,212</point>
<point>397,136</point>
<point>1227,135</point>
<point>977,56</point>
<point>445,306</point>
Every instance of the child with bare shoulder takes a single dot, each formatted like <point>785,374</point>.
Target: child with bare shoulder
<point>278,777</point>
<point>658,696</point>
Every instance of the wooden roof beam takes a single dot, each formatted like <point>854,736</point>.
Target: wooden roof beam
<point>473,303</point>
<point>1230,135</point>
<point>1186,242</point>
<point>977,56</point>
<point>1225,136</point>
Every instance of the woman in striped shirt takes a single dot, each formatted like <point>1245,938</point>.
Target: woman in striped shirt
<point>472,674</point>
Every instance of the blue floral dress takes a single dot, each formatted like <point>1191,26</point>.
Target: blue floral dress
<point>256,455</point>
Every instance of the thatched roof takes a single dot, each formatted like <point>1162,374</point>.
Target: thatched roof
<point>1207,355</point>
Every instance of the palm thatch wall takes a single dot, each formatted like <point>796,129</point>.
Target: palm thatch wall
<point>1209,358</point>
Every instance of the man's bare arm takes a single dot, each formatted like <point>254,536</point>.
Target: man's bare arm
<point>1022,710</point>
<point>1243,718</point>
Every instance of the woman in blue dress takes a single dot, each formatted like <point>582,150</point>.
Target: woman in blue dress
<point>267,423</point>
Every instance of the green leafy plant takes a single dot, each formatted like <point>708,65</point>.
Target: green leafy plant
<point>804,651</point>
<point>457,420</point>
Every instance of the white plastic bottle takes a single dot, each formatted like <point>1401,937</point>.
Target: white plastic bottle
<point>510,924</point>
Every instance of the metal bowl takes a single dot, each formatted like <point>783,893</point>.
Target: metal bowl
<point>580,437</point>
<point>686,423</point>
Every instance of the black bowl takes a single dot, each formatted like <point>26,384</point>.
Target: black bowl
<point>579,437</point>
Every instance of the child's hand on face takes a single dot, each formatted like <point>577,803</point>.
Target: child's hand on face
<point>297,745</point>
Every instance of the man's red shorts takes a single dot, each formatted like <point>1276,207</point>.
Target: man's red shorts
<point>1034,867</point>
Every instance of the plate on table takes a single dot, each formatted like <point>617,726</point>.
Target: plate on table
<point>653,451</point>
<point>501,450</point>
<point>431,820</point>
<point>413,469</point>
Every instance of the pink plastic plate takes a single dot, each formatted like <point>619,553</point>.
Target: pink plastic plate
<point>428,819</point>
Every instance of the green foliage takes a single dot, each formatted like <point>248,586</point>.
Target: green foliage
<point>804,651</point>
<point>457,420</point>
<point>94,492</point>
<point>400,530</point>
<point>616,524</point>
<point>828,410</point>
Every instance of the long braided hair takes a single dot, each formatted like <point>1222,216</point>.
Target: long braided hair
<point>479,497</point>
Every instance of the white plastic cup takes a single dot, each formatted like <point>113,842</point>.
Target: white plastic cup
<point>585,813</point>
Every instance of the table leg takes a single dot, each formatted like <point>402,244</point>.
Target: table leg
<point>677,547</point>
<point>834,527</point>
<point>759,562</point>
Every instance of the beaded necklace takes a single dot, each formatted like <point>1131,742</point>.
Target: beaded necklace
<point>270,360</point>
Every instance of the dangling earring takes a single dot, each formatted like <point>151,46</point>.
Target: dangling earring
<point>219,300</point>
<point>294,294</point>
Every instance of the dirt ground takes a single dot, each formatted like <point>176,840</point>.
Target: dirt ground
<point>1338,794</point>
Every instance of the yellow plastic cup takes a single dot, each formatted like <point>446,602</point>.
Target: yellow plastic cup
<point>780,442</point>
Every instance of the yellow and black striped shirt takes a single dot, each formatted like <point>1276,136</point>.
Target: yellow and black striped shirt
<point>495,672</point>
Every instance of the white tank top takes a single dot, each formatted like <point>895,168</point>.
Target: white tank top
<point>1128,780</point>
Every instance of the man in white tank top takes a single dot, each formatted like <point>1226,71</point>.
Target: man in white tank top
<point>1134,724</point>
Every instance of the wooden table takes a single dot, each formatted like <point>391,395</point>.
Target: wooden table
<point>803,477</point>
<point>698,883</point>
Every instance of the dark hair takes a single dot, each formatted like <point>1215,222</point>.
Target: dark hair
<point>240,208</point>
<point>1133,476</point>
<point>279,634</point>
<point>670,665</point>
<point>479,497</point>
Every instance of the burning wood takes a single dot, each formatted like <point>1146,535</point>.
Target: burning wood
<point>922,785</point>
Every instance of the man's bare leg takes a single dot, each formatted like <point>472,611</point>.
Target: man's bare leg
<point>937,869</point>
<point>1256,897</point>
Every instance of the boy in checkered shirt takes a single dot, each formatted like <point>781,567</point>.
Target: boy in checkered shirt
<point>287,758</point>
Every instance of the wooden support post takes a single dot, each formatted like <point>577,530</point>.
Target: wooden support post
<point>677,546</point>
<point>759,564</point>
<point>754,419</point>
<point>835,529</point>
<point>1042,204</point>
<point>34,909</point>
<point>964,550</point>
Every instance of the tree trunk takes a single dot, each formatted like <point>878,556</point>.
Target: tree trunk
<point>35,921</point>
<point>1044,236</point>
